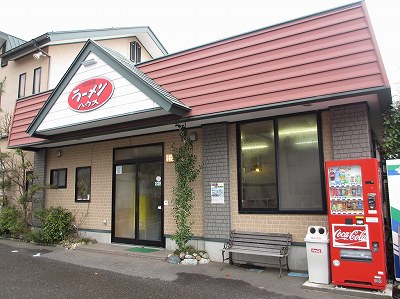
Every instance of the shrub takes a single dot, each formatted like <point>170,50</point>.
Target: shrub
<point>391,136</point>
<point>189,249</point>
<point>56,225</point>
<point>36,235</point>
<point>11,222</point>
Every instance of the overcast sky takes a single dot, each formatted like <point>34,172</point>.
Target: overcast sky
<point>182,24</point>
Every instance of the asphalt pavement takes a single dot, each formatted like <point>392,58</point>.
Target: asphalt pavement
<point>110,271</point>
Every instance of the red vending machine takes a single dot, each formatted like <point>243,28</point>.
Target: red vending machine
<point>356,222</point>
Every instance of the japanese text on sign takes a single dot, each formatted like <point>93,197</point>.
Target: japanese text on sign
<point>90,94</point>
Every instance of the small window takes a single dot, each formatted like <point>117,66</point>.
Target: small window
<point>21,85</point>
<point>58,178</point>
<point>36,80</point>
<point>136,52</point>
<point>82,184</point>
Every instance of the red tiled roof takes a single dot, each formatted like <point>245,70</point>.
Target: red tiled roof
<point>323,54</point>
<point>327,53</point>
<point>24,113</point>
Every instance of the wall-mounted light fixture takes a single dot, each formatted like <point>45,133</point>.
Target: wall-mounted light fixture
<point>40,53</point>
<point>169,158</point>
<point>193,136</point>
<point>89,62</point>
<point>59,153</point>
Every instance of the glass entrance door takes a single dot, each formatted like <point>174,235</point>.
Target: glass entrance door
<point>138,202</point>
<point>149,208</point>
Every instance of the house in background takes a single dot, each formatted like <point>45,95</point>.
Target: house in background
<point>9,42</point>
<point>265,110</point>
<point>37,65</point>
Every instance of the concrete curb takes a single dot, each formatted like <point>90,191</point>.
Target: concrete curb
<point>120,253</point>
<point>364,293</point>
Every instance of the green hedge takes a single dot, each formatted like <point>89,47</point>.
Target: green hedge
<point>56,225</point>
<point>11,222</point>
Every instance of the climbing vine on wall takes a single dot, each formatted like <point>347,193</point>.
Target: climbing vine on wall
<point>187,170</point>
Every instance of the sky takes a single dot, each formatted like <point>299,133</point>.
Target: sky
<point>183,24</point>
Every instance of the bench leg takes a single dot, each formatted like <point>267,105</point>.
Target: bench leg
<point>223,260</point>
<point>287,264</point>
<point>280,267</point>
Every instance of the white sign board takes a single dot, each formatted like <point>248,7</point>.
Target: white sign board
<point>217,193</point>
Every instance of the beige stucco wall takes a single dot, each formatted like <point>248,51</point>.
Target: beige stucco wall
<point>99,156</point>
<point>63,55</point>
<point>296,224</point>
<point>12,71</point>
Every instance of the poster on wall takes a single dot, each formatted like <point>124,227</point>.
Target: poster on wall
<point>217,193</point>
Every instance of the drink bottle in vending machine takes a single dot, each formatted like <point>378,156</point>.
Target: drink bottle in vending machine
<point>356,222</point>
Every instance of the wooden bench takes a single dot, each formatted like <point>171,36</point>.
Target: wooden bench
<point>261,244</point>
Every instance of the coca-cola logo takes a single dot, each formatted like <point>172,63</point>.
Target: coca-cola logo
<point>355,235</point>
<point>350,236</point>
<point>90,94</point>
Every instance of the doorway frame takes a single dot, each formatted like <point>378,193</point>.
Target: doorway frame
<point>137,162</point>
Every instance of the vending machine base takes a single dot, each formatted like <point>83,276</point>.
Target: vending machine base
<point>360,284</point>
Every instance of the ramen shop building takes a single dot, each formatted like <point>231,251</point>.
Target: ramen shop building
<point>265,109</point>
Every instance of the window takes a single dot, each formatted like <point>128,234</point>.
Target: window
<point>82,184</point>
<point>280,166</point>
<point>21,85</point>
<point>136,52</point>
<point>36,80</point>
<point>58,178</point>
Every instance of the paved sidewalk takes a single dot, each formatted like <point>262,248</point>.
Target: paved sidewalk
<point>117,258</point>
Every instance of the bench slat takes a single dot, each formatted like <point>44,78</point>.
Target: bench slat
<point>261,234</point>
<point>258,238</point>
<point>254,252</point>
<point>258,244</point>
<point>264,250</point>
<point>261,242</point>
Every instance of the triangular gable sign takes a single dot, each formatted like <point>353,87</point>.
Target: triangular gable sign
<point>102,88</point>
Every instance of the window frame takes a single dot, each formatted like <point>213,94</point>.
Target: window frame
<point>51,178</point>
<point>277,210</point>
<point>21,92</point>
<point>77,186</point>
<point>135,52</point>
<point>34,87</point>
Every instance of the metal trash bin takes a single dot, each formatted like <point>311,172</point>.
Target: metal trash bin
<point>317,243</point>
